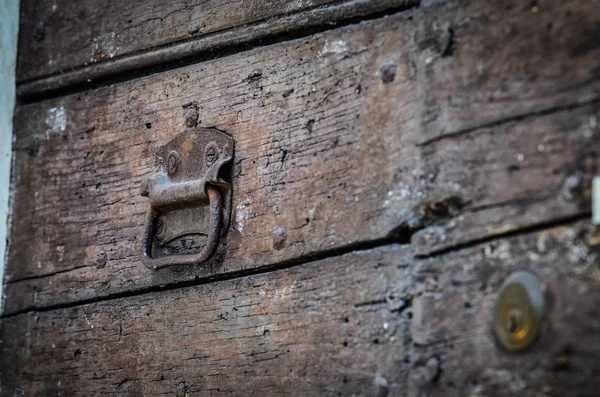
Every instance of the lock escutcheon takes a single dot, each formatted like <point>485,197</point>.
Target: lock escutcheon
<point>188,196</point>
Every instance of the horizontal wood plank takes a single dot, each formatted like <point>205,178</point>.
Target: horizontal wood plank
<point>313,122</point>
<point>330,153</point>
<point>486,61</point>
<point>62,35</point>
<point>375,322</point>
<point>319,329</point>
<point>511,176</point>
<point>87,39</point>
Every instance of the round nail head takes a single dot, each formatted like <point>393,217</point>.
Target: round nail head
<point>172,162</point>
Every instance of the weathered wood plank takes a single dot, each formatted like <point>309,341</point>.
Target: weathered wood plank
<point>64,34</point>
<point>346,325</point>
<point>318,329</point>
<point>326,132</point>
<point>452,315</point>
<point>485,61</point>
<point>510,176</point>
<point>321,138</point>
<point>83,39</point>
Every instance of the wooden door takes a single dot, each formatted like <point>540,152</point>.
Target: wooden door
<point>395,162</point>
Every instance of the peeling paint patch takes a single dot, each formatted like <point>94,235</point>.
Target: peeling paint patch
<point>285,292</point>
<point>89,323</point>
<point>241,214</point>
<point>335,47</point>
<point>61,252</point>
<point>56,120</point>
<point>282,294</point>
<point>104,47</point>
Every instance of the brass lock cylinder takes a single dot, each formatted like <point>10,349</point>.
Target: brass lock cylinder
<point>519,312</point>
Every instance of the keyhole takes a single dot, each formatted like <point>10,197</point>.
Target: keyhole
<point>514,320</point>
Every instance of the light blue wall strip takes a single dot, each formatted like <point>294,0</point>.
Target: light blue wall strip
<point>9,24</point>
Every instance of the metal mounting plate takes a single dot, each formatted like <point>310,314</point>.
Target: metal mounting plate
<point>185,167</point>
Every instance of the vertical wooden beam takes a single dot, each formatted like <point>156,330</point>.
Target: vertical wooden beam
<point>9,24</point>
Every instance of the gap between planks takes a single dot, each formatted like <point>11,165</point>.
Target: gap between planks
<point>226,42</point>
<point>512,119</point>
<point>401,237</point>
<point>539,227</point>
<point>318,256</point>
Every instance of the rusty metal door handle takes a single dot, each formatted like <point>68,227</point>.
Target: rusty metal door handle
<point>184,259</point>
<point>188,196</point>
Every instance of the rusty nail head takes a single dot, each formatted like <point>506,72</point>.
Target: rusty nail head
<point>172,162</point>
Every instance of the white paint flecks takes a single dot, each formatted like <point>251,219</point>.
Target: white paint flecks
<point>56,120</point>
<point>61,252</point>
<point>334,47</point>
<point>9,24</point>
<point>285,292</point>
<point>282,294</point>
<point>89,323</point>
<point>104,47</point>
<point>242,213</point>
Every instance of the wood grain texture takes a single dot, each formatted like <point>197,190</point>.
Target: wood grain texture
<point>511,176</point>
<point>330,153</point>
<point>485,61</point>
<point>87,39</point>
<point>451,328</point>
<point>60,35</point>
<point>320,141</point>
<point>374,323</point>
<point>319,329</point>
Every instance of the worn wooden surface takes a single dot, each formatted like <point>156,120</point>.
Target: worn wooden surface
<point>75,41</point>
<point>511,176</point>
<point>331,153</point>
<point>319,329</point>
<point>482,66</point>
<point>313,123</point>
<point>374,323</point>
<point>451,329</point>
<point>468,129</point>
<point>60,35</point>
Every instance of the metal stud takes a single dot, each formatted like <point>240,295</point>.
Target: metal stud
<point>520,311</point>
<point>172,162</point>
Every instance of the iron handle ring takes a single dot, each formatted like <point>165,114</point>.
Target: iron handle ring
<point>215,205</point>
